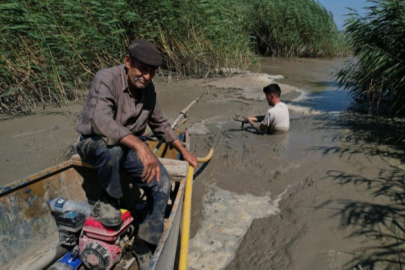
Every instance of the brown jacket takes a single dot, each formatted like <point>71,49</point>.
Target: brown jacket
<point>112,112</point>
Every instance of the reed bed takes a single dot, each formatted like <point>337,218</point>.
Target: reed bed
<point>51,49</point>
<point>377,74</point>
<point>302,28</point>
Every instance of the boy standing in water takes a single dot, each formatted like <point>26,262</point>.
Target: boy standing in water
<point>277,118</point>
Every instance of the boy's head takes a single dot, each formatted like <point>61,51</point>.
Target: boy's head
<point>273,93</point>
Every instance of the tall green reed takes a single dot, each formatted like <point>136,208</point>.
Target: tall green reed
<point>302,28</point>
<point>49,50</point>
<point>377,74</point>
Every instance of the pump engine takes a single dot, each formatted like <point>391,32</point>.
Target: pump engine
<point>101,247</point>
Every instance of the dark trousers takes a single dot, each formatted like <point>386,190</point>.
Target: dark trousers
<point>110,161</point>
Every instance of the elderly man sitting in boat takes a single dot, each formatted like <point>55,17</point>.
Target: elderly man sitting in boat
<point>120,104</point>
<point>277,118</point>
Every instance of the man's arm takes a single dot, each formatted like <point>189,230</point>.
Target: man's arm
<point>150,162</point>
<point>163,130</point>
<point>192,160</point>
<point>258,128</point>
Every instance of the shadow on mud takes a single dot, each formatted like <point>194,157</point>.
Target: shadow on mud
<point>369,135</point>
<point>382,223</point>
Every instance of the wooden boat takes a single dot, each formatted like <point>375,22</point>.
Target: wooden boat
<point>28,231</point>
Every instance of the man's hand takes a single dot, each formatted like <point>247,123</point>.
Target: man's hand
<point>150,162</point>
<point>252,121</point>
<point>151,166</point>
<point>190,158</point>
<point>241,118</point>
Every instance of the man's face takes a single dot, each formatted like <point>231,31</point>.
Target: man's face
<point>270,99</point>
<point>139,75</point>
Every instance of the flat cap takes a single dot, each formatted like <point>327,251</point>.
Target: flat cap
<point>145,52</point>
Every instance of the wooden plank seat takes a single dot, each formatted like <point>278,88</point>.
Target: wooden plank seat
<point>177,168</point>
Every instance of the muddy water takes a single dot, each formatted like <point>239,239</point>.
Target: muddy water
<point>315,77</point>
<point>249,173</point>
<point>271,202</point>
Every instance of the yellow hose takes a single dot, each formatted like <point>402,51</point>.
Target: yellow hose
<point>207,157</point>
<point>185,233</point>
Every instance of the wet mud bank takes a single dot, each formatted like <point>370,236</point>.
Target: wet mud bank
<point>32,143</point>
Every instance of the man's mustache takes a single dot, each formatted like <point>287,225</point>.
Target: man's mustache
<point>136,79</point>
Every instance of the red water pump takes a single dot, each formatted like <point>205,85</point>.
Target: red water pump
<point>101,247</point>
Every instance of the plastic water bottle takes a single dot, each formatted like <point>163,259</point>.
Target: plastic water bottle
<point>61,205</point>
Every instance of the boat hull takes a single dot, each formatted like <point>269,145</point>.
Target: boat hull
<point>28,229</point>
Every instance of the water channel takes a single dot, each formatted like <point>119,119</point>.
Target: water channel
<point>315,77</point>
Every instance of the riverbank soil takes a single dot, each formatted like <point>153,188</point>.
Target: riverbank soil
<point>32,143</point>
<point>322,196</point>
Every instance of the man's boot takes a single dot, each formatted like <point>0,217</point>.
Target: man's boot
<point>142,253</point>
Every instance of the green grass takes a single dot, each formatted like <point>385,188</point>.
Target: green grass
<point>50,50</point>
<point>377,74</point>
